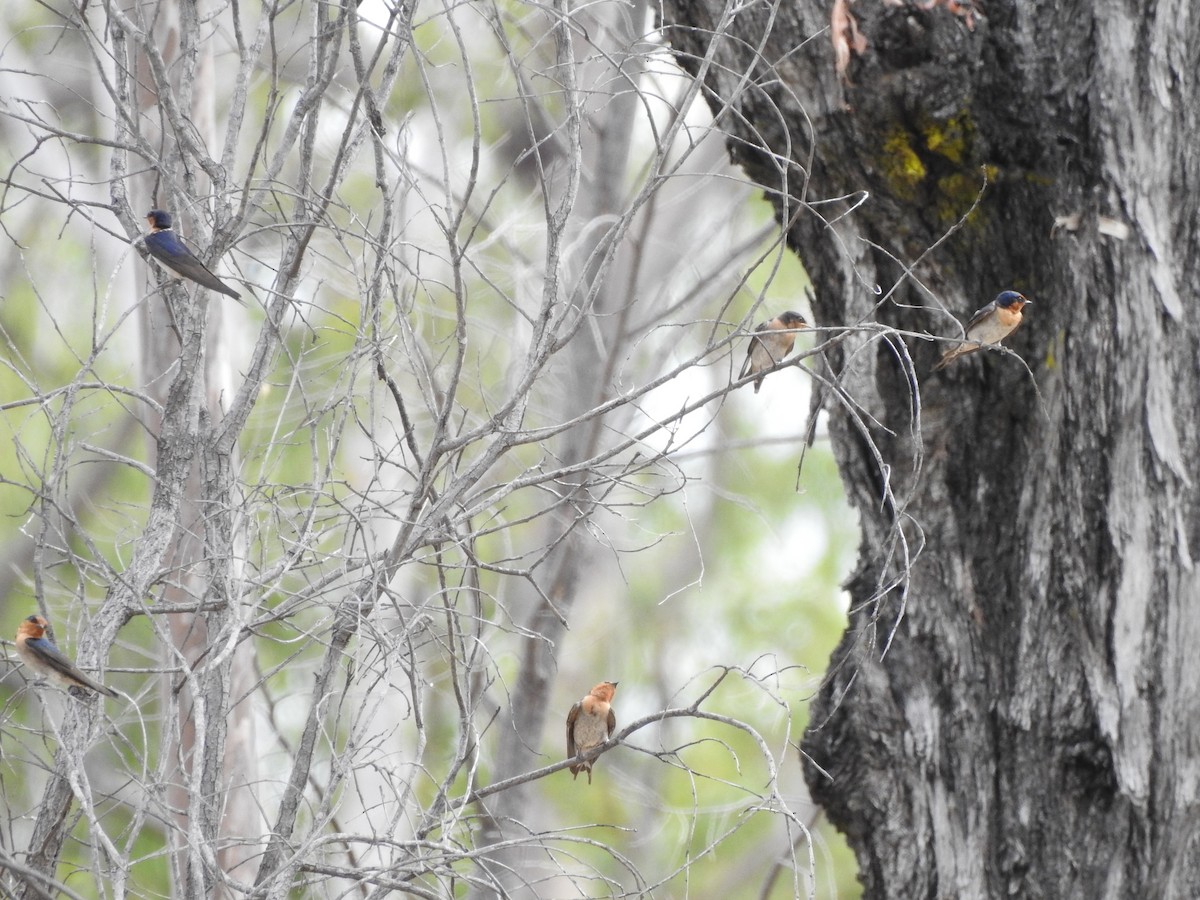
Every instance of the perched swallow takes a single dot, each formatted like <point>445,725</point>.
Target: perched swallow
<point>772,341</point>
<point>589,724</point>
<point>165,246</point>
<point>39,653</point>
<point>989,325</point>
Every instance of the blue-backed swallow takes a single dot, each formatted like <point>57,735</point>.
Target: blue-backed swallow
<point>990,325</point>
<point>590,723</point>
<point>39,653</point>
<point>166,247</point>
<point>771,342</point>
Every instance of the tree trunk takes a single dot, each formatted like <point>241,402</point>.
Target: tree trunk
<point>1011,712</point>
<point>206,551</point>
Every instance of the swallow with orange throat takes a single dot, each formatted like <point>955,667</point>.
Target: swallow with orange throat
<point>39,652</point>
<point>770,343</point>
<point>990,325</point>
<point>590,723</point>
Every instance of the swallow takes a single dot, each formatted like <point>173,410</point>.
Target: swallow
<point>166,247</point>
<point>772,341</point>
<point>990,325</point>
<point>39,653</point>
<point>589,724</point>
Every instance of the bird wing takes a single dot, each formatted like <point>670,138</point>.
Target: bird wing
<point>979,315</point>
<point>173,253</point>
<point>49,655</point>
<point>754,342</point>
<point>571,717</point>
<point>52,658</point>
<point>612,721</point>
<point>168,249</point>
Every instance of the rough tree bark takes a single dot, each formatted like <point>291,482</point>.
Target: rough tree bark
<point>1031,728</point>
<point>213,738</point>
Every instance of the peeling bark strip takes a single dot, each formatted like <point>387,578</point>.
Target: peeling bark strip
<point>1031,730</point>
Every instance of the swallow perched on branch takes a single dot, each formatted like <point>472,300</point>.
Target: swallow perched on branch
<point>590,723</point>
<point>990,325</point>
<point>39,653</point>
<point>166,247</point>
<point>771,342</point>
